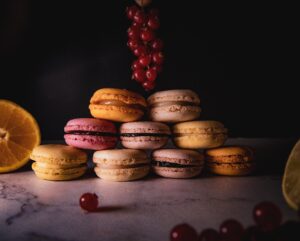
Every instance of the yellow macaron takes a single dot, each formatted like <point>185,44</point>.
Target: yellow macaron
<point>58,162</point>
<point>199,134</point>
<point>117,105</point>
<point>230,160</point>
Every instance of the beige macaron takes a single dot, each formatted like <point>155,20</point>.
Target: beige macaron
<point>121,164</point>
<point>230,160</point>
<point>199,134</point>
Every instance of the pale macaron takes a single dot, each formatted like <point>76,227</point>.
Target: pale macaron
<point>174,106</point>
<point>117,105</point>
<point>91,134</point>
<point>230,160</point>
<point>58,162</point>
<point>199,134</point>
<point>177,163</point>
<point>121,165</point>
<point>144,135</point>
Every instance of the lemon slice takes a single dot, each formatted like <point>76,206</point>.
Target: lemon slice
<point>291,178</point>
<point>19,134</point>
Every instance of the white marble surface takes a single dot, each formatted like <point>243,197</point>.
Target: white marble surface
<point>146,210</point>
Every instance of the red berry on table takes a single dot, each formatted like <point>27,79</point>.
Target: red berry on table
<point>153,22</point>
<point>231,230</point>
<point>151,74</point>
<point>158,58</point>
<point>133,44</point>
<point>140,51</point>
<point>145,60</point>
<point>147,35</point>
<point>157,68</point>
<point>140,17</point>
<point>183,232</point>
<point>267,216</point>
<point>131,11</point>
<point>209,235</point>
<point>89,202</point>
<point>136,65</point>
<point>139,75</point>
<point>157,44</point>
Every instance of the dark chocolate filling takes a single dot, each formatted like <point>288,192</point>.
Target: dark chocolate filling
<point>144,134</point>
<point>169,164</point>
<point>91,133</point>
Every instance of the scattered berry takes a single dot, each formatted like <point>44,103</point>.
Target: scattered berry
<point>89,202</point>
<point>209,235</point>
<point>267,216</point>
<point>183,232</point>
<point>231,229</point>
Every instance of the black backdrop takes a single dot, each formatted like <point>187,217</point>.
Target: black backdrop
<point>55,54</point>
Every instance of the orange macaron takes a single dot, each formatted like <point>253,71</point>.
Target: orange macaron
<point>117,105</point>
<point>230,160</point>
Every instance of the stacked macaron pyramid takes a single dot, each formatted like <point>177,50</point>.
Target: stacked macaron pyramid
<point>139,135</point>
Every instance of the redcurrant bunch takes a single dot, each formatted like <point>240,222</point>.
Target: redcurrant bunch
<point>145,45</point>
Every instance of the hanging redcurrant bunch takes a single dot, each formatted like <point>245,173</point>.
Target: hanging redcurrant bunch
<point>144,43</point>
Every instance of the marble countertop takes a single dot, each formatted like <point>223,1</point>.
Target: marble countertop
<point>145,210</point>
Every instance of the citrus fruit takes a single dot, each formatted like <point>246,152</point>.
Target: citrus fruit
<point>291,178</point>
<point>19,134</point>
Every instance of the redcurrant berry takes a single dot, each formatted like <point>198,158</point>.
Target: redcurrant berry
<point>267,216</point>
<point>89,202</point>
<point>133,33</point>
<point>153,22</point>
<point>136,65</point>
<point>140,51</point>
<point>209,235</point>
<point>133,44</point>
<point>145,60</point>
<point>151,74</point>
<point>153,12</point>
<point>157,68</point>
<point>231,229</point>
<point>157,44</point>
<point>147,35</point>
<point>140,17</point>
<point>158,58</point>
<point>139,75</point>
<point>183,232</point>
<point>131,11</point>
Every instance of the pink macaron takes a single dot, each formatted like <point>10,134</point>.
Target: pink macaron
<point>91,134</point>
<point>177,163</point>
<point>144,135</point>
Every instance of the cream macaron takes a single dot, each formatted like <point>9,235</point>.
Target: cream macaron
<point>58,162</point>
<point>199,134</point>
<point>174,106</point>
<point>121,164</point>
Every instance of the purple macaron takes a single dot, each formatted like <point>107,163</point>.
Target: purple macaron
<point>91,134</point>
<point>144,135</point>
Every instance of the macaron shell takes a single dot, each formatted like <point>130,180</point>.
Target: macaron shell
<point>172,172</point>
<point>91,125</point>
<point>145,127</point>
<point>122,175</point>
<point>231,169</point>
<point>174,95</point>
<point>201,127</point>
<point>53,174</point>
<point>116,113</point>
<point>144,142</point>
<point>199,141</point>
<point>91,142</point>
<point>174,113</point>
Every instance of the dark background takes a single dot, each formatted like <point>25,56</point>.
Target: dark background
<point>55,54</point>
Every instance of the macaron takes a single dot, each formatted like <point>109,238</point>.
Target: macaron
<point>58,162</point>
<point>90,133</point>
<point>174,106</point>
<point>117,105</point>
<point>199,134</point>
<point>177,163</point>
<point>121,165</point>
<point>230,160</point>
<point>144,135</point>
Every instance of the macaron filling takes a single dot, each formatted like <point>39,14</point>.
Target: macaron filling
<point>171,164</point>
<point>144,134</point>
<point>168,103</point>
<point>91,133</point>
<point>119,103</point>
